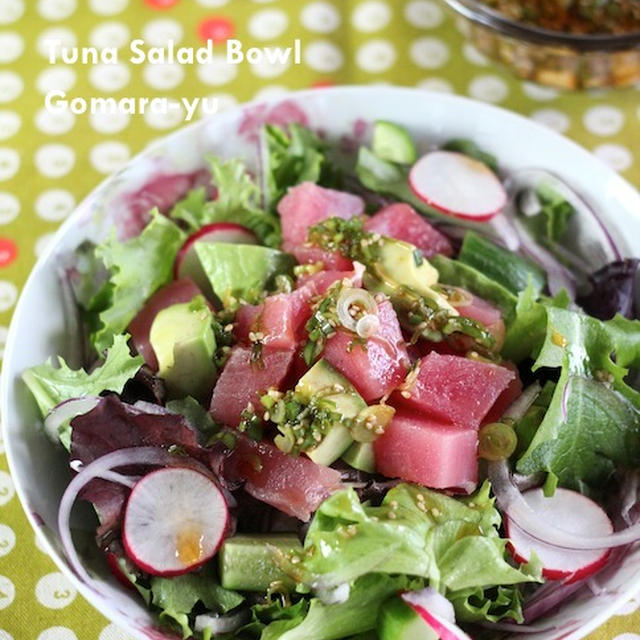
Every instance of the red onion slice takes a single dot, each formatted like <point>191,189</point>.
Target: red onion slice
<point>65,411</point>
<point>513,504</point>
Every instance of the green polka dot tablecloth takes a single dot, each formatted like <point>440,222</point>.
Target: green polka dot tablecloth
<point>49,162</point>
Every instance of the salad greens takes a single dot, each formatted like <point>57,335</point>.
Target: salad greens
<point>319,356</point>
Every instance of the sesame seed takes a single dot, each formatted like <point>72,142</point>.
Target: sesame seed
<point>352,530</point>
<point>392,515</point>
<point>379,431</point>
<point>393,504</point>
<point>421,506</point>
<point>228,328</point>
<point>295,559</point>
<point>435,512</point>
<point>405,394</point>
<point>266,416</point>
<point>420,497</point>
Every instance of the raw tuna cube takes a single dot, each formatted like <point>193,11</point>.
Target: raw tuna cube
<point>294,485</point>
<point>401,221</point>
<point>486,314</point>
<point>419,449</point>
<point>455,389</point>
<point>507,397</point>
<point>380,367</point>
<point>307,204</point>
<point>242,382</point>
<point>330,259</point>
<point>280,318</point>
<point>178,291</point>
<point>322,280</point>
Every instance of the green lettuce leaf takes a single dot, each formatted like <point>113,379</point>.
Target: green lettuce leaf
<point>492,605</point>
<point>177,597</point>
<point>452,544</point>
<point>52,385</point>
<point>592,426</point>
<point>237,200</point>
<point>137,267</point>
<point>550,225</point>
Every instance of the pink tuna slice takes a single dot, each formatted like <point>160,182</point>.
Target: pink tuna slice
<point>403,222</point>
<point>294,485</point>
<point>419,449</point>
<point>454,389</point>
<point>242,382</point>
<point>379,368</point>
<point>329,259</point>
<point>307,204</point>
<point>507,397</point>
<point>486,314</point>
<point>280,318</point>
<point>176,292</point>
<point>321,281</point>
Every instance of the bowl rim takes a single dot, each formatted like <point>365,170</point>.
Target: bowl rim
<point>488,17</point>
<point>106,608</point>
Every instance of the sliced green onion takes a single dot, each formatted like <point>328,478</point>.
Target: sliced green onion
<point>497,441</point>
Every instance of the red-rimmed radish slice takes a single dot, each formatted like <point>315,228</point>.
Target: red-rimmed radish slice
<point>437,612</point>
<point>187,263</point>
<point>573,513</point>
<point>457,185</point>
<point>174,521</point>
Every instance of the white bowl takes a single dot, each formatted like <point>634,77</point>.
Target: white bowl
<point>39,469</point>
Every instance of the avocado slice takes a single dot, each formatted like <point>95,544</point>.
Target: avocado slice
<point>184,343</point>
<point>241,271</point>
<point>246,561</point>
<point>400,263</point>
<point>323,380</point>
<point>361,456</point>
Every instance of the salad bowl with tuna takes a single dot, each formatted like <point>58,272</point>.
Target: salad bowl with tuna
<point>378,385</point>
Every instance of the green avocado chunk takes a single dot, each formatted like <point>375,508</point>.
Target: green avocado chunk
<point>184,343</point>
<point>322,380</point>
<point>361,456</point>
<point>241,271</point>
<point>246,561</point>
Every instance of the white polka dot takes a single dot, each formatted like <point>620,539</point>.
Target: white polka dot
<point>55,204</point>
<point>54,591</point>
<point>42,243</point>
<point>9,163</point>
<point>552,118</point>
<point>371,16</point>
<point>11,46</point>
<point>266,69</point>
<point>108,7</point>
<point>10,123</point>
<point>538,92</point>
<point>217,71</point>
<point>474,56</point>
<point>4,332</point>
<point>111,34</point>
<point>163,76</point>
<point>54,160</point>
<point>109,123</point>
<point>110,156</point>
<point>11,10</point>
<point>56,9</point>
<point>268,24</point>
<point>158,32</point>
<point>54,123</point>
<point>7,592</point>
<point>59,77</point>
<point>321,17</point>
<point>109,77</point>
<point>429,53</point>
<point>212,4</point>
<point>46,43</point>
<point>160,120</point>
<point>5,635</point>
<point>435,84</point>
<point>11,86</point>
<point>488,88</point>
<point>8,295</point>
<point>7,539</point>
<point>619,158</point>
<point>423,14</point>
<point>323,56</point>
<point>57,633</point>
<point>218,101</point>
<point>271,92</point>
<point>376,56</point>
<point>112,632</point>
<point>9,207</point>
<point>603,120</point>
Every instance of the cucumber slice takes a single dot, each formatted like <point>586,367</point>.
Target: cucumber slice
<point>393,143</point>
<point>398,621</point>
<point>360,455</point>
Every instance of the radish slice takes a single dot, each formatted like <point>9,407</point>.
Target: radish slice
<point>174,521</point>
<point>574,513</point>
<point>436,611</point>
<point>187,264</point>
<point>457,185</point>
